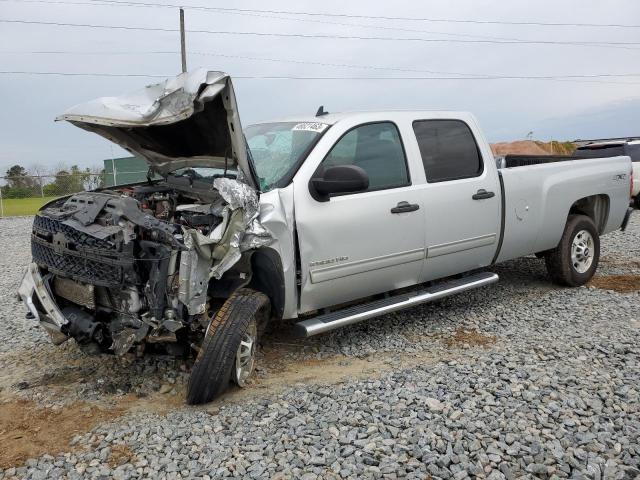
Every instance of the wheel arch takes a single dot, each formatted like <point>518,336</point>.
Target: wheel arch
<point>268,277</point>
<point>595,207</point>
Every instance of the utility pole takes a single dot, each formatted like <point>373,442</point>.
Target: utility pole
<point>113,168</point>
<point>183,50</point>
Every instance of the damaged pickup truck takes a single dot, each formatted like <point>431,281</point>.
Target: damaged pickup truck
<point>330,219</point>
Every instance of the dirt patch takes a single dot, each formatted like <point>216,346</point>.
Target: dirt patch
<point>618,283</point>
<point>120,454</point>
<point>62,376</point>
<point>332,370</point>
<point>620,262</point>
<point>469,337</point>
<point>282,365</point>
<point>28,431</point>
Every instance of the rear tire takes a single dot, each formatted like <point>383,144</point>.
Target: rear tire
<point>229,346</point>
<point>575,260</point>
<point>636,202</point>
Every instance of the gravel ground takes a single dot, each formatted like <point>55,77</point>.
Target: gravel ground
<point>517,380</point>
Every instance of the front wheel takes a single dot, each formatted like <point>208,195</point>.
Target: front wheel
<point>229,347</point>
<point>574,261</point>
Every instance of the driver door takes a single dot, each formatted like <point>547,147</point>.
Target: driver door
<point>359,244</point>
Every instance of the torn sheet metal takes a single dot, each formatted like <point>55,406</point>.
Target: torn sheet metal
<point>198,107</point>
<point>211,256</point>
<point>250,233</point>
<point>194,272</point>
<point>35,286</point>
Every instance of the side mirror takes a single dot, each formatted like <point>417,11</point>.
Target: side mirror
<point>338,179</point>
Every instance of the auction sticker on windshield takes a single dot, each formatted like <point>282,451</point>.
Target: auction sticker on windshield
<point>311,127</point>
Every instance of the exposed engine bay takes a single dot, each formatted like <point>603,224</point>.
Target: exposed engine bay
<point>144,264</point>
<point>149,267</point>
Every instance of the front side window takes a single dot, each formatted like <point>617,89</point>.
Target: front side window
<point>448,150</point>
<point>377,149</point>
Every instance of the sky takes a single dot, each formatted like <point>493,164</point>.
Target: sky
<point>508,109</point>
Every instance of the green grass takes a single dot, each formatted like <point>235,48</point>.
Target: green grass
<point>12,207</point>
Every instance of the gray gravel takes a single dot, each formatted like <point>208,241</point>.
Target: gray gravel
<point>518,380</point>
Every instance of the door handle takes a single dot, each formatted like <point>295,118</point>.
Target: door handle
<point>404,207</point>
<point>482,194</point>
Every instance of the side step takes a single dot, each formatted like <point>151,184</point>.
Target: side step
<point>340,318</point>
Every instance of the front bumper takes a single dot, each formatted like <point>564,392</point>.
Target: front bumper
<point>35,294</point>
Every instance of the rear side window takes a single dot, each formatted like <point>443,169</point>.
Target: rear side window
<point>377,149</point>
<point>448,150</point>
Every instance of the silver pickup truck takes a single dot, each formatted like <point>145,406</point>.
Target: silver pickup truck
<point>329,219</point>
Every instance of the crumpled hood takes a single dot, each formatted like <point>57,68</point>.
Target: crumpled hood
<point>190,120</point>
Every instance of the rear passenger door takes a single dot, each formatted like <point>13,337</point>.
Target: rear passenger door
<point>462,199</point>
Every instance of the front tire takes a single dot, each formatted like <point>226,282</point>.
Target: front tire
<point>229,346</point>
<point>575,260</point>
<point>636,202</point>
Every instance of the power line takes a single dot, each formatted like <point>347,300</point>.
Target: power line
<point>80,74</point>
<point>443,20</point>
<point>479,76</point>
<point>305,78</point>
<point>347,15</point>
<point>103,3</point>
<point>629,45</point>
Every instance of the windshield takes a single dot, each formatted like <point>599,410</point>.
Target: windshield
<point>278,148</point>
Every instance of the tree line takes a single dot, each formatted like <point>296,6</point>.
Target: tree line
<point>65,180</point>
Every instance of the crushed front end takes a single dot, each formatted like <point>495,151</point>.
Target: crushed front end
<point>139,266</point>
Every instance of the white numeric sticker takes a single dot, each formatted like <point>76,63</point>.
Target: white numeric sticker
<point>311,127</point>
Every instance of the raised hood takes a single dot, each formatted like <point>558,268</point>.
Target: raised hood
<point>190,120</point>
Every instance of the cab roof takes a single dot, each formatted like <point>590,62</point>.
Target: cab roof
<point>333,118</point>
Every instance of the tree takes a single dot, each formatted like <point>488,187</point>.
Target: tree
<point>67,181</point>
<point>16,171</point>
<point>19,184</point>
<point>17,177</point>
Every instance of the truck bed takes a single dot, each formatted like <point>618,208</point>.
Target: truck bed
<point>538,199</point>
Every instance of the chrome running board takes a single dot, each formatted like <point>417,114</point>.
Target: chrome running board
<point>347,316</point>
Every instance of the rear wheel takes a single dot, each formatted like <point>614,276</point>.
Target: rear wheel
<point>229,347</point>
<point>574,261</point>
